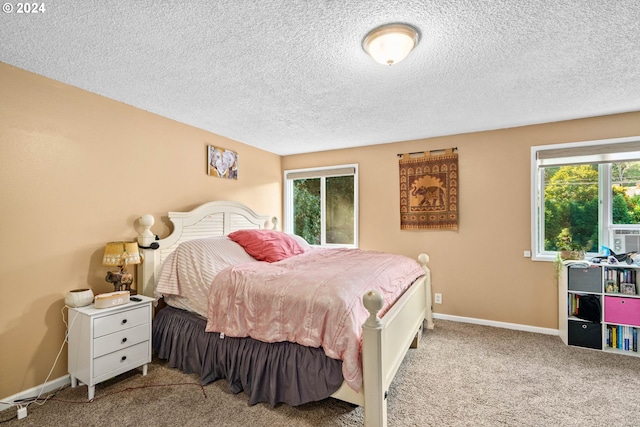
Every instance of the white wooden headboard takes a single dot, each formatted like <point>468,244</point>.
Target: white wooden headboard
<point>217,218</point>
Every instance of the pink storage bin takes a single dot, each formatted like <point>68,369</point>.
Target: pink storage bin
<point>622,310</point>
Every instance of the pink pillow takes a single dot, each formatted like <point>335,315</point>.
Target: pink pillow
<point>267,245</point>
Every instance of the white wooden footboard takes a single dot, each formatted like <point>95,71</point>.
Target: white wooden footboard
<point>385,342</point>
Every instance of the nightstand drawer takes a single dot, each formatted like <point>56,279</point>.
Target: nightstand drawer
<point>119,340</point>
<point>121,320</point>
<point>122,360</point>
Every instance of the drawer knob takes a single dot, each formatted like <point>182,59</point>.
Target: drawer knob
<point>584,326</point>
<point>124,340</point>
<point>123,358</point>
<point>124,321</point>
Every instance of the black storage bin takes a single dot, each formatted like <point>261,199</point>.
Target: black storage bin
<point>585,334</point>
<point>585,279</point>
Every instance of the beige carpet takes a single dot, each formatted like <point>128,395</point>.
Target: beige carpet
<point>462,375</point>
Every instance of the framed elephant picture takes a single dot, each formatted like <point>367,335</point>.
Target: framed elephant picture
<point>222,163</point>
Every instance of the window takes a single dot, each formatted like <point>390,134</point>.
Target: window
<point>586,196</point>
<point>321,205</point>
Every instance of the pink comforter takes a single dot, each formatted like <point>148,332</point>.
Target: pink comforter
<point>313,299</point>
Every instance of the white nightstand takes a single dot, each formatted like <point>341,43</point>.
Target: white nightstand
<point>105,342</point>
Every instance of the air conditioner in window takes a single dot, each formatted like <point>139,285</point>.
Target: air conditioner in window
<point>626,241</point>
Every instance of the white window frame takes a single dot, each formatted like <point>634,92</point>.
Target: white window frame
<point>602,152</point>
<point>321,172</point>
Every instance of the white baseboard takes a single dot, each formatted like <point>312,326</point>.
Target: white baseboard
<point>34,391</point>
<point>505,325</point>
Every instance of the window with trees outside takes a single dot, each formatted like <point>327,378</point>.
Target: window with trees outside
<point>586,197</point>
<point>321,205</point>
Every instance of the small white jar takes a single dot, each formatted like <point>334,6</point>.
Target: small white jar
<point>79,297</point>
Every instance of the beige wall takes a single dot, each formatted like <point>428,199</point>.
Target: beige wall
<point>76,171</point>
<point>479,269</point>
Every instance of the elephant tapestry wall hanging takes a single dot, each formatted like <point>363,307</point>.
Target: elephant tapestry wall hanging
<point>429,190</point>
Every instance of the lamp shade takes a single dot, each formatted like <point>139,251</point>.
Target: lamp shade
<point>121,253</point>
<point>391,43</point>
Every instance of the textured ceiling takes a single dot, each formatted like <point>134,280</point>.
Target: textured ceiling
<point>290,76</point>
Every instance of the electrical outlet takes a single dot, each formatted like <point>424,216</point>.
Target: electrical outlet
<point>438,298</point>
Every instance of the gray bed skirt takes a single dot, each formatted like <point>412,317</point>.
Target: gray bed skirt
<point>272,373</point>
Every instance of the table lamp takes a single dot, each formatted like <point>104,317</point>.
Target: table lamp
<point>121,254</point>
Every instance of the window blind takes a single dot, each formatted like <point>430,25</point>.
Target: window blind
<point>624,151</point>
<point>321,173</point>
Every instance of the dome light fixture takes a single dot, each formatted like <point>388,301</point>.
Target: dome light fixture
<point>391,43</point>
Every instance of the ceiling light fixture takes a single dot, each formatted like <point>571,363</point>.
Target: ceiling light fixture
<point>391,43</point>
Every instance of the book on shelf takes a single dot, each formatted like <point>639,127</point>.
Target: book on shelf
<point>620,329</point>
<point>614,341</point>
<point>625,345</point>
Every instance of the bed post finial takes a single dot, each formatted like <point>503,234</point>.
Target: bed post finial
<point>373,302</point>
<point>423,259</point>
<point>274,221</point>
<point>146,237</point>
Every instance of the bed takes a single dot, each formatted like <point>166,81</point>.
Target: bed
<point>385,339</point>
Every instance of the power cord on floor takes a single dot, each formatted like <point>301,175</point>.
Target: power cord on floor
<point>52,397</point>
<point>23,404</point>
<point>131,389</point>
<point>8,419</point>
